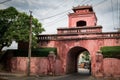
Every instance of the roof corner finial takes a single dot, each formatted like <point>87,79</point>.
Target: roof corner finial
<point>72,6</point>
<point>78,6</point>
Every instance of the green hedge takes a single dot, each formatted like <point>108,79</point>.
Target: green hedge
<point>40,52</point>
<point>111,51</point>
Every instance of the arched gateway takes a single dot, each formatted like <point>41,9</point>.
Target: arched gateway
<point>72,59</point>
<point>71,41</point>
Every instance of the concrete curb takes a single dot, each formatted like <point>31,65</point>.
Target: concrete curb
<point>2,74</point>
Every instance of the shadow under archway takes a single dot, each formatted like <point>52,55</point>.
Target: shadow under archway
<point>72,59</point>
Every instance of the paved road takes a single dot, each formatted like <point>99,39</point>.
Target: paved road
<point>66,77</point>
<point>82,75</point>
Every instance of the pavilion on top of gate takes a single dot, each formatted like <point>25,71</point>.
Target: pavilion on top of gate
<point>82,24</point>
<point>82,20</point>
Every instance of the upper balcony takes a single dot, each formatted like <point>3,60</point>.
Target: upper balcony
<point>82,29</point>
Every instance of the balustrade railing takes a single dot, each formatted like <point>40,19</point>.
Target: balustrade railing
<point>79,36</point>
<point>79,30</point>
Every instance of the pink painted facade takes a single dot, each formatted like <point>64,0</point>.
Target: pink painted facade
<point>82,13</point>
<point>83,34</point>
<point>108,67</point>
<point>111,67</point>
<point>66,47</point>
<point>39,66</point>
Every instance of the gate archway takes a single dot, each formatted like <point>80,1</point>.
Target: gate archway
<point>72,59</point>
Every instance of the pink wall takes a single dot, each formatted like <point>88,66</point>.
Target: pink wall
<point>89,18</point>
<point>39,66</point>
<point>86,41</point>
<point>111,67</point>
<point>18,64</point>
<point>93,45</point>
<point>107,67</point>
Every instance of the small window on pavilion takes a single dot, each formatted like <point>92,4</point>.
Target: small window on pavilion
<point>81,23</point>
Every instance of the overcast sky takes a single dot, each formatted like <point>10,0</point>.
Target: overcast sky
<point>53,13</point>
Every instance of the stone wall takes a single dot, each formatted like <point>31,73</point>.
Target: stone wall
<point>39,66</point>
<point>107,67</point>
<point>111,67</point>
<point>51,65</point>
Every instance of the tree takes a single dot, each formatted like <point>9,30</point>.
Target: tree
<point>86,56</point>
<point>15,25</point>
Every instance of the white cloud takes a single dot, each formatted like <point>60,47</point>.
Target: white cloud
<point>46,8</point>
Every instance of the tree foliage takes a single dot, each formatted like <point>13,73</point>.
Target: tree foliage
<point>86,56</point>
<point>15,25</point>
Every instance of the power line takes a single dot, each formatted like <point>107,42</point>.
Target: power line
<point>59,13</point>
<point>118,14</point>
<point>62,4</point>
<point>83,2</point>
<point>67,11</point>
<point>55,15</point>
<point>112,12</point>
<point>5,1</point>
<point>101,2</point>
<point>57,18</point>
<point>88,1</point>
<point>55,21</point>
<point>118,11</point>
<point>62,13</point>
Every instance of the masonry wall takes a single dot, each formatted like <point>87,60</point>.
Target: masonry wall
<point>39,66</point>
<point>107,67</point>
<point>111,67</point>
<point>90,21</point>
<point>92,45</point>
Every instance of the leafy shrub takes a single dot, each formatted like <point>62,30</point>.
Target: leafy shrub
<point>39,52</point>
<point>111,51</point>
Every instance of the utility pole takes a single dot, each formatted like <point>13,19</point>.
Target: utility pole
<point>30,44</point>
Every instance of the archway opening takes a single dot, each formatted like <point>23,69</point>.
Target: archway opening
<point>81,23</point>
<point>76,63</point>
<point>84,63</point>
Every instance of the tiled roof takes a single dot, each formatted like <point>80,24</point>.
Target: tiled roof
<point>82,7</point>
